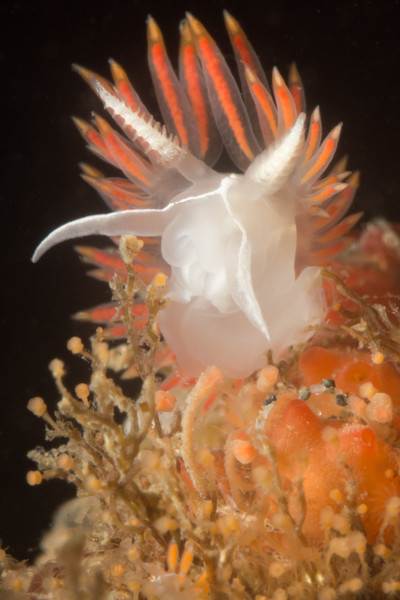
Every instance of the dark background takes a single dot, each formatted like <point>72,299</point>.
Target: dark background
<point>348,55</point>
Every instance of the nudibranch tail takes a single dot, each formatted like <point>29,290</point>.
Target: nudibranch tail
<point>242,250</point>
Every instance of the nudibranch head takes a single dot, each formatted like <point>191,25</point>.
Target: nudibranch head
<point>244,250</point>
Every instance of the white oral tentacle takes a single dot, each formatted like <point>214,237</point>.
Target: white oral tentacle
<point>143,222</point>
<point>149,222</point>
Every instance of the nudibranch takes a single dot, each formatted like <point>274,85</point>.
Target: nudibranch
<point>243,251</point>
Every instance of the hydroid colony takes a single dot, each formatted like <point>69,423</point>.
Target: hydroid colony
<point>261,462</point>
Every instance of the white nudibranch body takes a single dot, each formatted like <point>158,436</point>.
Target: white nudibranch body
<point>241,249</point>
<point>233,283</point>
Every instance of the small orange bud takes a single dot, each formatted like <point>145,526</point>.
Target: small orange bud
<point>243,451</point>
<point>165,401</point>
<point>75,345</point>
<point>34,477</point>
<point>37,405</point>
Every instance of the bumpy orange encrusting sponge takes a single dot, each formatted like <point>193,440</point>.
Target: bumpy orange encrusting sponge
<point>349,369</point>
<point>338,460</point>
